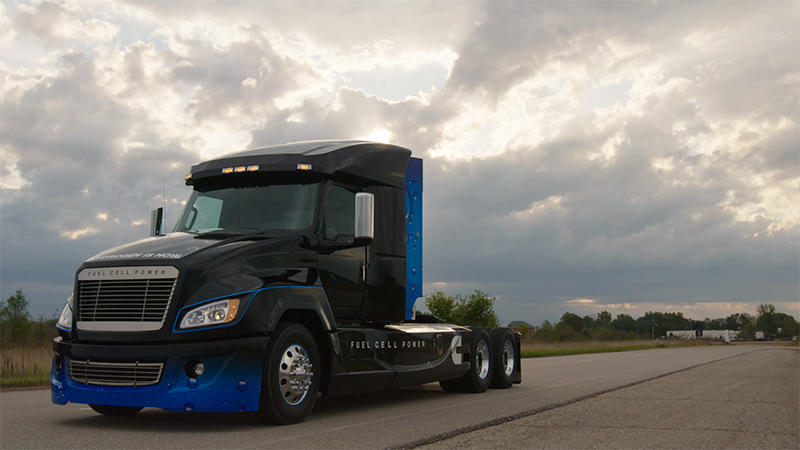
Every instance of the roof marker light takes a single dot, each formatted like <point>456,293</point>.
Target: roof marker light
<point>227,170</point>
<point>304,167</point>
<point>252,168</point>
<point>240,169</point>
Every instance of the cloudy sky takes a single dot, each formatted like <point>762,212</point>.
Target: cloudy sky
<point>579,156</point>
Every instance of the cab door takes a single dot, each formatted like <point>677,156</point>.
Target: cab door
<point>342,272</point>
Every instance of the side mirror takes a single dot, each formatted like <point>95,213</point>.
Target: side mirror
<point>363,229</point>
<point>156,220</point>
<point>365,217</point>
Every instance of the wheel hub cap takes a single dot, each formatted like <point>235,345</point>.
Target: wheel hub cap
<point>482,359</point>
<point>508,358</point>
<point>295,374</point>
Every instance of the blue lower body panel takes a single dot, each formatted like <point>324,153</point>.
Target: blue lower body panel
<point>231,381</point>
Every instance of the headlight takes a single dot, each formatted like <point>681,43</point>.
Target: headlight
<point>65,320</point>
<point>216,313</point>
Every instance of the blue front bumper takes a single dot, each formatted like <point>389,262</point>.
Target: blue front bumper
<point>231,381</point>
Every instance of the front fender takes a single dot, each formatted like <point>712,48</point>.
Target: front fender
<point>269,305</point>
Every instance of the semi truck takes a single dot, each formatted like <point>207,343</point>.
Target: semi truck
<point>292,273</point>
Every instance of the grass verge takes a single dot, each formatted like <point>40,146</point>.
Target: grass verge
<point>25,366</point>
<point>539,350</point>
<point>26,382</point>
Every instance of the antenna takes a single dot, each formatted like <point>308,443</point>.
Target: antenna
<point>164,198</point>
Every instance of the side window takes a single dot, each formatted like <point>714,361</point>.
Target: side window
<point>341,211</point>
<point>205,214</point>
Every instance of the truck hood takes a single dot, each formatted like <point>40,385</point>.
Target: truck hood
<point>171,246</point>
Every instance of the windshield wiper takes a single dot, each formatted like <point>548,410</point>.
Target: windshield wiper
<point>226,233</point>
<point>257,235</point>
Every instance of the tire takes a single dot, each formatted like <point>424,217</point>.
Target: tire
<point>504,351</point>
<point>113,410</point>
<point>291,375</point>
<point>479,376</point>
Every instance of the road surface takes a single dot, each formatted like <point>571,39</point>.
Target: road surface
<point>751,401</point>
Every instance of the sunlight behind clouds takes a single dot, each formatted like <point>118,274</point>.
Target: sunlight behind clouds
<point>379,135</point>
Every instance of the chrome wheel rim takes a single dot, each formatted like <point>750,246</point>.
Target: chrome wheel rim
<point>482,359</point>
<point>508,358</point>
<point>294,374</point>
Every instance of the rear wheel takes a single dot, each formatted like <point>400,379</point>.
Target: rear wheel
<point>113,410</point>
<point>504,350</point>
<point>479,376</point>
<point>291,375</point>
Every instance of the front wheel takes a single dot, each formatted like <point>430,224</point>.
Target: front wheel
<point>291,375</point>
<point>113,410</point>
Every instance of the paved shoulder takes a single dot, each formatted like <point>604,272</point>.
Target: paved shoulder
<point>751,401</point>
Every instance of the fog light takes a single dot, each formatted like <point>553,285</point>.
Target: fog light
<point>57,363</point>
<point>194,369</point>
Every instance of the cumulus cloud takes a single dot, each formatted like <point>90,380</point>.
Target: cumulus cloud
<point>51,22</point>
<point>579,155</point>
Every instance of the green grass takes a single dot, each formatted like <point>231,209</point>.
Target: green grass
<point>25,365</point>
<point>581,351</point>
<point>23,382</point>
<point>539,350</point>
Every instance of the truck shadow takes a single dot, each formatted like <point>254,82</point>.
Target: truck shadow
<point>326,409</point>
<point>338,405</point>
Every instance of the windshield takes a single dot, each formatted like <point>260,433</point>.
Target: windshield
<point>272,207</point>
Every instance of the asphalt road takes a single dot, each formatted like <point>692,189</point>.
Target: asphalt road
<point>403,418</point>
<point>751,401</point>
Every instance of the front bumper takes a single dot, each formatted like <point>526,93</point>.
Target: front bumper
<point>231,382</point>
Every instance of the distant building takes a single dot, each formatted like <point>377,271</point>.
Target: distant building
<point>727,335</point>
<point>682,334</point>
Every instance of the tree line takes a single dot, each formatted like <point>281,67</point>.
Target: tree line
<point>652,325</point>
<point>477,309</point>
<point>17,327</point>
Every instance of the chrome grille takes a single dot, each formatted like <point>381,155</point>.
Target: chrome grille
<point>125,298</point>
<point>115,374</point>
